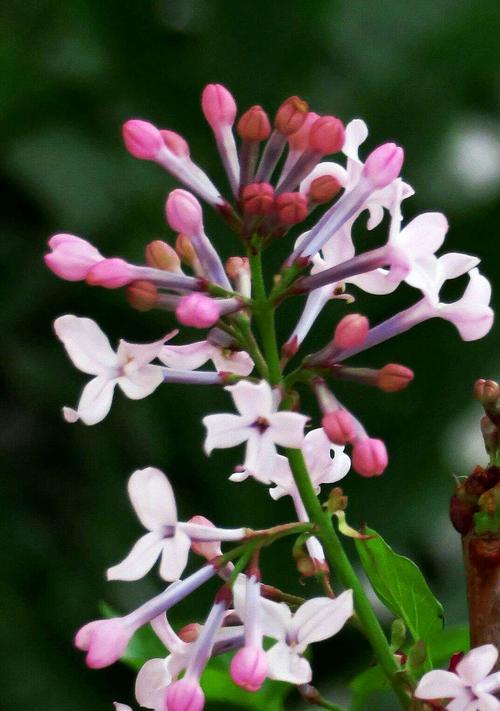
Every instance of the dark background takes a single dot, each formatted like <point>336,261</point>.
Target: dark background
<point>424,74</point>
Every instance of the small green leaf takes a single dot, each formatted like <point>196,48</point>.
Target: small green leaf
<point>398,634</point>
<point>447,642</point>
<point>401,587</point>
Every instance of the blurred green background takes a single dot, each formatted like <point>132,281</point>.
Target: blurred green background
<point>424,74</point>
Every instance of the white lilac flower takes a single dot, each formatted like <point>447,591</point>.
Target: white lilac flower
<point>153,500</point>
<point>130,367</point>
<point>194,355</point>
<point>259,424</point>
<point>470,688</point>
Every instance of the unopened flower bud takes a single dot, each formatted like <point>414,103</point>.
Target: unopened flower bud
<point>383,165</point>
<point>110,273</point>
<point>142,139</point>
<point>394,377</point>
<point>185,249</point>
<point>351,331</point>
<point>197,310</point>
<point>299,140</point>
<point>71,257</point>
<point>369,457</point>
<point>258,199</point>
<point>291,207</point>
<point>235,266</point>
<point>487,392</point>
<point>183,212</point>
<point>207,549</point>
<point>175,143</point>
<point>327,135</point>
<point>218,105</point>
<point>323,189</point>
<point>339,426</point>
<point>142,295</point>
<point>184,695</point>
<point>254,125</point>
<point>161,255</point>
<point>249,667</point>
<point>190,632</point>
<point>104,641</point>
<point>291,115</point>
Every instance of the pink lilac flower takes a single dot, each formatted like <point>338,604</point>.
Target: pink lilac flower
<point>471,687</point>
<point>153,500</point>
<point>71,257</point>
<point>193,355</point>
<point>259,424</point>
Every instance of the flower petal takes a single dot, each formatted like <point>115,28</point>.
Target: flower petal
<point>356,133</point>
<point>95,400</point>
<point>152,498</point>
<point>139,561</point>
<point>323,468</point>
<point>260,455</point>
<point>134,356</point>
<point>322,617</point>
<point>286,665</point>
<point>287,428</point>
<point>150,684</point>
<point>439,684</point>
<point>224,431</point>
<point>487,702</point>
<point>121,707</point>
<point>477,663</point>
<point>86,344</point>
<point>187,357</point>
<point>174,556</point>
<point>252,400</point>
<point>141,383</point>
<point>424,234</point>
<point>471,314</point>
<point>237,362</point>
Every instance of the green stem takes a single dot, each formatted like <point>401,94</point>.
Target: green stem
<point>340,563</point>
<point>248,341</point>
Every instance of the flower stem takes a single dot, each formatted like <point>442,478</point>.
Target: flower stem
<point>340,563</point>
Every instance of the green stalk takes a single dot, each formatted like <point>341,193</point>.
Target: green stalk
<point>341,565</point>
<point>248,341</point>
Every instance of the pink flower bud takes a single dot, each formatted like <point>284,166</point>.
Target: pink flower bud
<point>71,257</point>
<point>207,549</point>
<point>184,212</point>
<point>218,105</point>
<point>104,641</point>
<point>191,631</point>
<point>197,310</point>
<point>383,165</point>
<point>161,255</point>
<point>327,135</point>
<point>142,139</point>
<point>339,426</point>
<point>351,331</point>
<point>185,695</point>
<point>254,125</point>
<point>249,668</point>
<point>110,273</point>
<point>258,199</point>
<point>369,457</point>
<point>291,115</point>
<point>323,189</point>
<point>175,143</point>
<point>142,295</point>
<point>299,140</point>
<point>185,249</point>
<point>291,207</point>
<point>235,266</point>
<point>394,377</point>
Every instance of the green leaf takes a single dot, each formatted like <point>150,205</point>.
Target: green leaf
<point>365,684</point>
<point>442,645</point>
<point>401,587</point>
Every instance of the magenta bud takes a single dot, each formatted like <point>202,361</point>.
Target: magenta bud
<point>258,199</point>
<point>184,212</point>
<point>339,426</point>
<point>291,115</point>
<point>191,631</point>
<point>184,695</point>
<point>249,668</point>
<point>327,135</point>
<point>197,310</point>
<point>110,273</point>
<point>254,125</point>
<point>71,257</point>
<point>291,207</point>
<point>104,641</point>
<point>351,331</point>
<point>369,457</point>
<point>299,140</point>
<point>175,143</point>
<point>142,139</point>
<point>383,165</point>
<point>207,549</point>
<point>218,105</point>
<point>394,377</point>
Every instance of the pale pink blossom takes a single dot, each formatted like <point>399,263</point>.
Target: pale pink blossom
<point>130,367</point>
<point>194,355</point>
<point>470,688</point>
<point>259,424</point>
<point>71,257</point>
<point>198,311</point>
<point>104,641</point>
